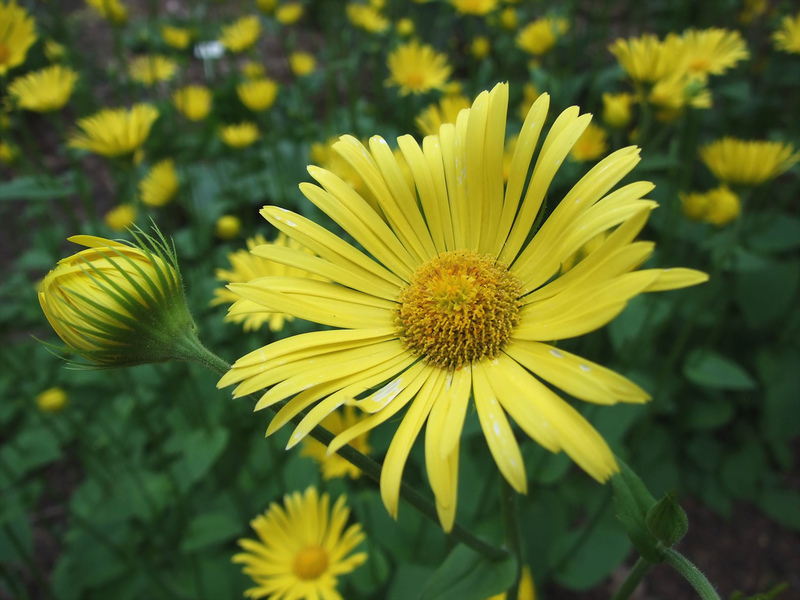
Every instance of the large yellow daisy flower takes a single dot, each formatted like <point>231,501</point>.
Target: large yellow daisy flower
<point>748,162</point>
<point>303,547</point>
<point>417,68</point>
<point>453,302</point>
<point>712,51</point>
<point>46,90</point>
<point>17,34</point>
<point>115,131</point>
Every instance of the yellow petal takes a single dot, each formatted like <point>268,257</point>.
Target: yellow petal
<point>458,389</point>
<point>676,278</point>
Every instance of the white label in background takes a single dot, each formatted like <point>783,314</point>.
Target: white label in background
<point>209,50</point>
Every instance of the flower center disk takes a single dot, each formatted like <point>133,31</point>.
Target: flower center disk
<point>460,306</point>
<point>310,562</point>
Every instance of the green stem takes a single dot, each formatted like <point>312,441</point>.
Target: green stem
<point>691,574</point>
<point>509,510</point>
<point>633,579</point>
<point>193,350</point>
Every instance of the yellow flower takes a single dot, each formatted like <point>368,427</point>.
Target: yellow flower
<point>527,590</point>
<point>539,36</point>
<point>289,14</point>
<point>334,466</point>
<point>405,27</point>
<point>508,19</point>
<point>111,10</point>
<point>677,91</point>
<point>240,135</point>
<point>118,304</point>
<point>303,548</point>
<point>52,399</point>
<point>17,34</point>
<point>480,47</point>
<point>529,95</point>
<point>242,34</point>
<point>748,162</point>
<point>121,217</point>
<point>54,51</point>
<point>719,206</point>
<point>160,184</point>
<point>786,37</point>
<point>474,7</point>
<point>646,58</point>
<point>302,63</point>
<point>752,10</point>
<point>193,102</point>
<point>695,205</point>
<point>250,264</point>
<point>445,111</point>
<point>227,227</point>
<point>617,109</point>
<point>115,131</point>
<point>367,18</point>
<point>417,68</point>
<point>257,94</point>
<point>46,90</point>
<point>176,37</point>
<point>253,70</point>
<point>591,145</point>
<point>8,153</point>
<point>457,303</point>
<point>151,69</point>
<point>508,156</point>
<point>712,51</point>
<point>267,6</point>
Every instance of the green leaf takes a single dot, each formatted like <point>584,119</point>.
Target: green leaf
<point>708,413</point>
<point>408,582</point>
<point>777,370</point>
<point>466,575</point>
<point>773,232</point>
<point>710,369</point>
<point>783,506</point>
<point>742,470</point>
<point>594,559</point>
<point>667,521</point>
<point>210,529</point>
<point>201,451</point>
<point>31,449</point>
<point>633,501</point>
<point>766,295</point>
<point>37,188</point>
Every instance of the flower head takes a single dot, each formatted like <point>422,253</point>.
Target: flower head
<point>253,70</point>
<point>592,144</point>
<point>417,68</point>
<point>480,47</point>
<point>242,34</point>
<point>367,18</point>
<point>787,36</point>
<point>118,304</point>
<point>176,37</point>
<point>719,206</point>
<point>617,109</point>
<point>17,34</point>
<point>677,91</point>
<point>539,36</point>
<point>52,400</point>
<point>111,10</point>
<point>160,184</point>
<point>448,300</point>
<point>302,63</point>
<point>250,264</point>
<point>266,6</point>
<point>334,466</point>
<point>54,51</point>
<point>193,102</point>
<point>46,90</point>
<point>474,7</point>
<point>529,95</point>
<point>289,13</point>
<point>227,227</point>
<point>151,69</point>
<point>646,58</point>
<point>239,135</point>
<point>303,547</point>
<point>712,51</point>
<point>748,162</point>
<point>257,94</point>
<point>8,153</point>
<point>445,111</point>
<point>121,217</point>
<point>115,131</point>
<point>405,27</point>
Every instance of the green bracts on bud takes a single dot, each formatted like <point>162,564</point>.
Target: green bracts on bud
<point>667,521</point>
<point>119,304</point>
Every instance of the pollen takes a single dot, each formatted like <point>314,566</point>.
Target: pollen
<point>310,562</point>
<point>459,307</point>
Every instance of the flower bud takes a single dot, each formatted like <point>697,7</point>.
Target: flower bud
<point>119,304</point>
<point>52,399</point>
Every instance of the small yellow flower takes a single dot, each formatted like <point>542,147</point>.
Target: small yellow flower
<point>617,109</point>
<point>151,69</point>
<point>527,590</point>
<point>115,131</point>
<point>539,36</point>
<point>646,58</point>
<point>17,34</point>
<point>239,135</point>
<point>677,91</point>
<point>723,206</point>
<point>111,10</point>
<point>509,19</point>
<point>242,34</point>
<point>712,51</point>
<point>303,548</point>
<point>258,94</point>
<point>193,102</point>
<point>592,144</point>
<point>302,63</point>
<point>748,162</point>
<point>227,227</point>
<point>176,37</point>
<point>417,68</point>
<point>787,36</point>
<point>121,217</point>
<point>52,399</point>
<point>529,95</point>
<point>54,51</point>
<point>480,47</point>
<point>253,70</point>
<point>267,6</point>
<point>405,27</point>
<point>334,466</point>
<point>474,7</point>
<point>695,205</point>
<point>8,153</point>
<point>46,90</point>
<point>367,18</point>
<point>445,111</point>
<point>160,184</point>
<point>289,14</point>
<point>752,10</point>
